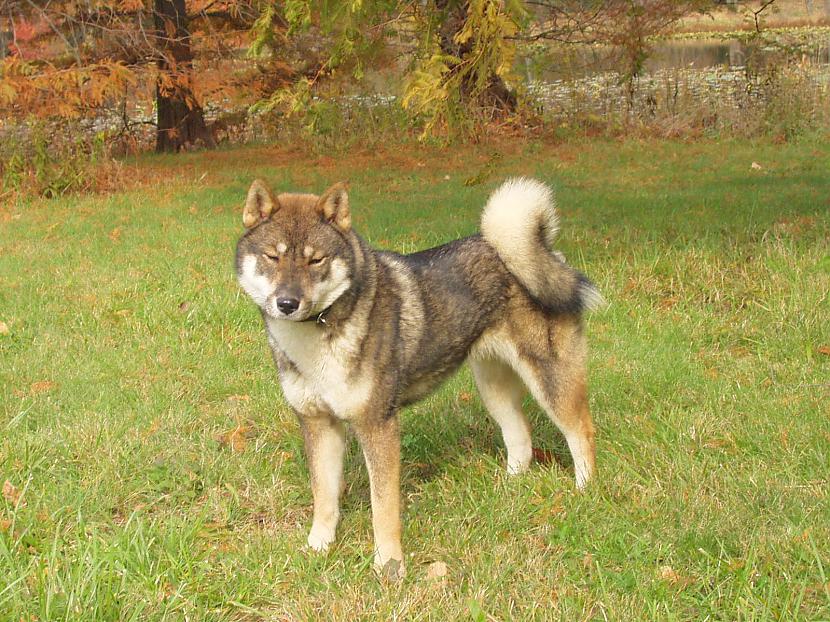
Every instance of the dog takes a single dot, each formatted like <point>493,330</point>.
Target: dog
<point>357,333</point>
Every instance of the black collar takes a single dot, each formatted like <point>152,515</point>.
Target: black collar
<point>320,318</point>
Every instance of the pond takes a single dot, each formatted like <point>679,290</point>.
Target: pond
<point>580,61</point>
<point>717,76</point>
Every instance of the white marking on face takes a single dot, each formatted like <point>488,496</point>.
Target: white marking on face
<point>256,285</point>
<point>325,293</point>
<point>308,251</point>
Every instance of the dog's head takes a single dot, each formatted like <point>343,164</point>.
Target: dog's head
<point>295,259</point>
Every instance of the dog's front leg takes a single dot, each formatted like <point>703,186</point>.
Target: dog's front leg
<point>381,444</point>
<point>325,445</point>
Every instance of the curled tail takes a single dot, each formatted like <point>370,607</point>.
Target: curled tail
<point>521,223</point>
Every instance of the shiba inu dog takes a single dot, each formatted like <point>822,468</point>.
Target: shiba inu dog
<point>357,333</point>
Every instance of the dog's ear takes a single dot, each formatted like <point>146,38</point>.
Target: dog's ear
<point>259,204</point>
<point>334,206</point>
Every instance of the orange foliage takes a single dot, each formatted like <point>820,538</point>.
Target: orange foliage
<point>45,90</point>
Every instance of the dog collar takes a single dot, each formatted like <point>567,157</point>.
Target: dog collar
<point>320,318</point>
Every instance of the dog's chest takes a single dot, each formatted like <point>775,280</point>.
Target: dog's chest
<point>326,377</point>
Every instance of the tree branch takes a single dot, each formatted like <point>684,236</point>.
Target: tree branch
<point>756,14</point>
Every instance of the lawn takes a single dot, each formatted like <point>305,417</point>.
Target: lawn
<point>153,471</point>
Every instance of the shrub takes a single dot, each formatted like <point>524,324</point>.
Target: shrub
<point>53,159</point>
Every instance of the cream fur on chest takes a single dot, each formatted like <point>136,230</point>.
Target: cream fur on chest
<point>325,377</point>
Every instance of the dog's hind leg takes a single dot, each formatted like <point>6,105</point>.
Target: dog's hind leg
<point>502,392</point>
<point>325,443</point>
<point>560,388</point>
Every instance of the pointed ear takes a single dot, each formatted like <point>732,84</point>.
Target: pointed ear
<point>334,206</point>
<point>259,204</point>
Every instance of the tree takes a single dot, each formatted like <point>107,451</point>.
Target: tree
<point>630,26</point>
<point>79,56</point>
<point>180,120</point>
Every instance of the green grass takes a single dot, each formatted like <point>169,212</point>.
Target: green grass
<point>130,350</point>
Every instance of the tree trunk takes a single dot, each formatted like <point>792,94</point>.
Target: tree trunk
<point>180,121</point>
<point>496,95</point>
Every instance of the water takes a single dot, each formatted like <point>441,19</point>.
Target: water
<point>702,54</point>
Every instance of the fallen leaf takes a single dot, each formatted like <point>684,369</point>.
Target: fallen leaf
<point>5,524</point>
<point>667,303</point>
<point>12,494</point>
<point>542,456</point>
<point>41,386</point>
<point>236,439</point>
<point>718,442</point>
<point>437,570</point>
<point>464,396</point>
<point>184,306</point>
<point>239,398</point>
<point>667,573</point>
<point>4,328</point>
<point>825,350</point>
<point>115,234</point>
<point>756,167</point>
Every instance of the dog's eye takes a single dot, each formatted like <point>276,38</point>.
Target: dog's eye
<point>316,261</point>
<point>272,256</point>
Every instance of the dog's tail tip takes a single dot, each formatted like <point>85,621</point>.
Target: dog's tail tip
<point>519,207</point>
<point>520,222</point>
<point>590,296</point>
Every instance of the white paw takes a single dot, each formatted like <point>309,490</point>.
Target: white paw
<point>582,474</point>
<point>518,459</point>
<point>320,539</point>
<point>517,467</point>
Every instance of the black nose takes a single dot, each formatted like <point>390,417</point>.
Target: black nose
<point>287,305</point>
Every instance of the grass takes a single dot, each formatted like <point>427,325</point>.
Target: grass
<point>155,473</point>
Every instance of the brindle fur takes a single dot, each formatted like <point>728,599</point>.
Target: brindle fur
<point>397,326</point>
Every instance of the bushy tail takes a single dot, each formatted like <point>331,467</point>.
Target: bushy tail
<point>521,223</point>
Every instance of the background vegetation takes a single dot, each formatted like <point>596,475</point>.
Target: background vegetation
<point>84,80</point>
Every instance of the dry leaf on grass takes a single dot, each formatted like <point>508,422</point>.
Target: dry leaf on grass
<point>437,571</point>
<point>41,386</point>
<point>825,350</point>
<point>756,167</point>
<point>5,524</point>
<point>4,328</point>
<point>236,439</point>
<point>12,494</point>
<point>542,456</point>
<point>239,398</point>
<point>668,574</point>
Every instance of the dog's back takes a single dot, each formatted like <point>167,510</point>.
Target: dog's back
<point>452,293</point>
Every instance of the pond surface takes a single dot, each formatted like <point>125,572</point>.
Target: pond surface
<point>580,61</point>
